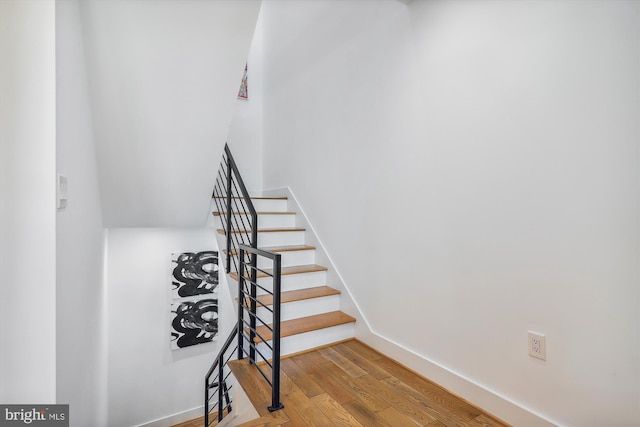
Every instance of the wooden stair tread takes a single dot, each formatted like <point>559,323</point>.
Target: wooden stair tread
<point>278,249</point>
<point>296,269</point>
<point>217,213</point>
<point>299,295</point>
<point>263,230</point>
<point>253,384</point>
<point>307,324</point>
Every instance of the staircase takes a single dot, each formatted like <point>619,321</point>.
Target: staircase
<point>285,303</point>
<point>311,315</point>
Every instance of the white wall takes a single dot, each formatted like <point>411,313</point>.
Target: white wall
<point>27,210</point>
<point>147,380</point>
<point>487,151</point>
<point>81,354</point>
<point>164,79</point>
<point>245,132</point>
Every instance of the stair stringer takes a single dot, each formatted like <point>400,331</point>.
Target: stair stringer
<point>334,279</point>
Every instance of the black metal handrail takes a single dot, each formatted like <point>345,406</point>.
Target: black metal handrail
<point>237,213</point>
<point>240,226</point>
<point>216,382</point>
<point>250,340</point>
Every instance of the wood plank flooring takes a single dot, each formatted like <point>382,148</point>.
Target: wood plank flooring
<point>350,384</point>
<point>198,422</point>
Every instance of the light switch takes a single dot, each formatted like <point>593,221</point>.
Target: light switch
<point>62,192</point>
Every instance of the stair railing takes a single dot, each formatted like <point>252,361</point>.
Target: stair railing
<point>240,226</point>
<point>235,209</point>
<point>217,384</point>
<point>259,297</point>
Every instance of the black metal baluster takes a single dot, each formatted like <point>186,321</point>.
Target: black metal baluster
<point>241,306</point>
<point>228,229</point>
<point>220,378</point>
<point>206,401</point>
<point>275,370</point>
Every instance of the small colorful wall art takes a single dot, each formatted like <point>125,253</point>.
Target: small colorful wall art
<point>194,302</point>
<point>243,93</point>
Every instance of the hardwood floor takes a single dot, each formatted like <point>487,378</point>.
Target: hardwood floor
<point>350,384</point>
<point>198,422</point>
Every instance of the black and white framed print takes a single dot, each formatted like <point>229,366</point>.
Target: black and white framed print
<point>193,322</point>
<point>194,273</point>
<point>193,298</point>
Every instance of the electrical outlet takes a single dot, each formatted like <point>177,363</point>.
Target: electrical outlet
<point>537,346</point>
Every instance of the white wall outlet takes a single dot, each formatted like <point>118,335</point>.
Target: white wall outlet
<point>537,346</point>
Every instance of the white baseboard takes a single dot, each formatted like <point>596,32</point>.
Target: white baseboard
<point>174,419</point>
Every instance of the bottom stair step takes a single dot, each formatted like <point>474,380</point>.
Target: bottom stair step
<point>257,389</point>
<point>307,324</point>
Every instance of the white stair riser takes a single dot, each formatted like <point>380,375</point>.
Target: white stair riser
<point>281,238</point>
<point>269,205</point>
<point>274,221</point>
<point>308,340</point>
<point>290,258</point>
<point>264,221</point>
<point>241,222</point>
<point>297,309</point>
<point>291,282</point>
